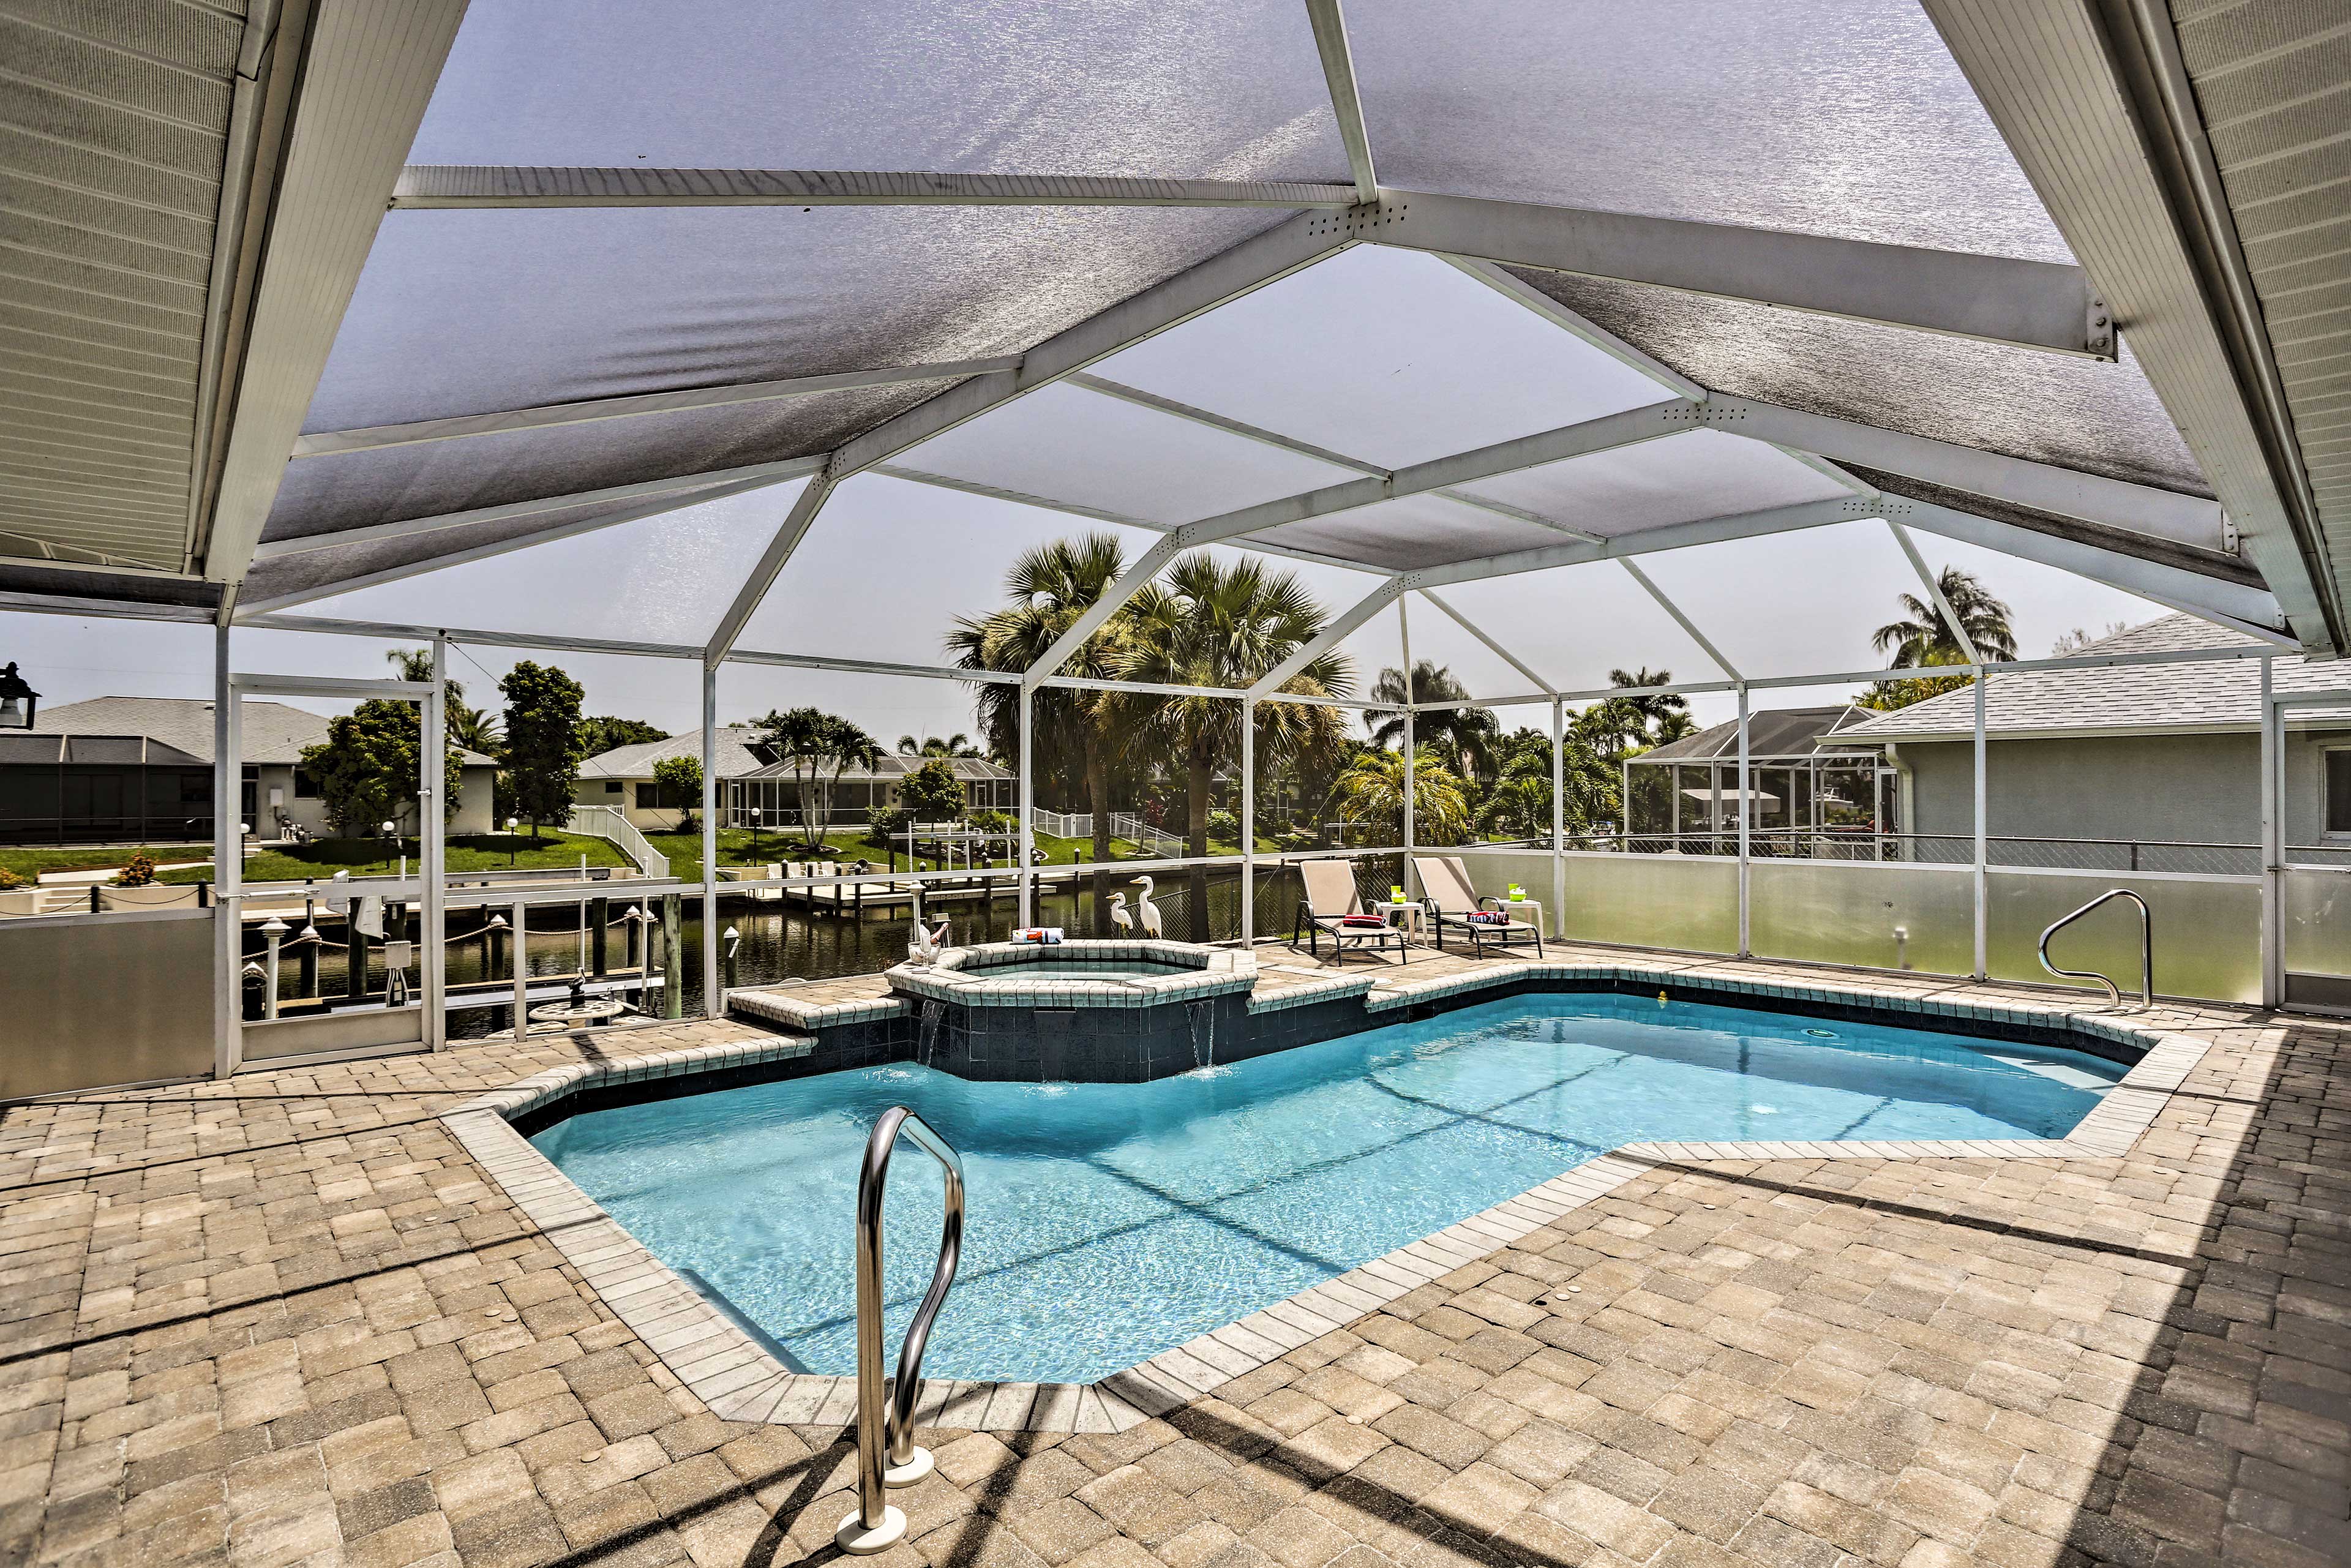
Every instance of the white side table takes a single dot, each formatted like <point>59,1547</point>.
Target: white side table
<point>1528,910</point>
<point>1405,916</point>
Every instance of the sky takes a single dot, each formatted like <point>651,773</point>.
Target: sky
<point>890,564</point>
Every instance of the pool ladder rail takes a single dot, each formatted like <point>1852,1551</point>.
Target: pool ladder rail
<point>886,1454</point>
<point>2145,949</point>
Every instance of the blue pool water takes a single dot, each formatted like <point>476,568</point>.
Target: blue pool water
<point>1109,1222</point>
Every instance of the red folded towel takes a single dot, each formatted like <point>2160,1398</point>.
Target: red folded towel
<point>1488,918</point>
<point>1371,921</point>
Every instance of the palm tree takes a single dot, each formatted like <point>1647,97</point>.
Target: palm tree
<point>1472,730</point>
<point>1206,624</point>
<point>1051,587</point>
<point>461,726</point>
<point>1370,795</point>
<point>956,745</point>
<point>845,743</point>
<point>1924,638</point>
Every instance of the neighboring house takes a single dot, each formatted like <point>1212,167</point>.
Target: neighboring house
<point>139,770</point>
<point>623,777</point>
<point>750,777</point>
<point>2131,757</point>
<point>1809,776</point>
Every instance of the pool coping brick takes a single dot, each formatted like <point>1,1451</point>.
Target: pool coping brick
<point>738,1379</point>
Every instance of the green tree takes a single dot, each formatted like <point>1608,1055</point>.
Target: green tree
<point>1049,587</point>
<point>679,779</point>
<point>1206,624</point>
<point>846,744</point>
<point>367,768</point>
<point>1370,796</point>
<point>932,793</point>
<point>602,733</point>
<point>543,752</point>
<point>1471,730</point>
<point>1924,637</point>
<point>1519,806</point>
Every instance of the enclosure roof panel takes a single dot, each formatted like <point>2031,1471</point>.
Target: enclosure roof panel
<point>1178,88</point>
<point>1681,479</point>
<point>1838,117</point>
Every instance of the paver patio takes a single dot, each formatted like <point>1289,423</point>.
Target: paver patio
<point>286,1319</point>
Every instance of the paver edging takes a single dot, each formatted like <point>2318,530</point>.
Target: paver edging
<point>737,1378</point>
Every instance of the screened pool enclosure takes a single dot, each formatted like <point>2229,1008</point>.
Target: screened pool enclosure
<point>756,340</point>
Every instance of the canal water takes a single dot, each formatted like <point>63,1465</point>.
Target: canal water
<point>783,941</point>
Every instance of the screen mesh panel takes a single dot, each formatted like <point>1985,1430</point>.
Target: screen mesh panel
<point>881,544</point>
<point>475,312</point>
<point>1796,603</point>
<point>1387,356</point>
<point>1678,479</point>
<point>1071,444</point>
<point>1573,625</point>
<point>1413,531</point>
<point>1211,89</point>
<point>665,579</point>
<point>2078,413</point>
<point>392,484</point>
<point>1838,116</point>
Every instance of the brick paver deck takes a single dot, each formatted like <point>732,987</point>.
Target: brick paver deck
<point>286,1321</point>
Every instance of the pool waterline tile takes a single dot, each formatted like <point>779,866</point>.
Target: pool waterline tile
<point>737,1378</point>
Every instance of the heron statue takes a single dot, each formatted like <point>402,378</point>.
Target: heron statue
<point>1121,917</point>
<point>1144,909</point>
<point>923,945</point>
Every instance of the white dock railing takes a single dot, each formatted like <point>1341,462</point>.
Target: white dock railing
<point>1123,825</point>
<point>612,823</point>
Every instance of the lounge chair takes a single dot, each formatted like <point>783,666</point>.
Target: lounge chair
<point>1445,891</point>
<point>1332,908</point>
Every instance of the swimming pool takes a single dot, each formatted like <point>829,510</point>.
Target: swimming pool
<point>1109,1222</point>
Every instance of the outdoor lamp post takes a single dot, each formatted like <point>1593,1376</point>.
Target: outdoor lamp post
<point>512,823</point>
<point>754,835</point>
<point>17,700</point>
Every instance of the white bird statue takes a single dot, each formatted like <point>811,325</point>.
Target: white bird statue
<point>1119,914</point>
<point>924,945</point>
<point>1143,907</point>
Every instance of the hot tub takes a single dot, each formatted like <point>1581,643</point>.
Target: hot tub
<point>1083,1011</point>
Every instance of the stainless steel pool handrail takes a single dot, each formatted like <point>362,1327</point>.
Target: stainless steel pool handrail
<point>2145,949</point>
<point>889,1431</point>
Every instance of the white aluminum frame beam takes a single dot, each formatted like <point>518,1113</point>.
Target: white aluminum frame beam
<point>789,534</point>
<point>1495,648</point>
<point>1251,264</point>
<point>366,77</point>
<point>1934,592</point>
<point>1275,439</point>
<point>2029,304</point>
<point>550,416</point>
<point>687,489</point>
<point>452,185</point>
<point>1650,541</point>
<point>1502,281</point>
<point>2044,487</point>
<point>1347,102</point>
<point>2255,611</point>
<point>602,520</point>
<point>1688,626</point>
<point>1268,686</point>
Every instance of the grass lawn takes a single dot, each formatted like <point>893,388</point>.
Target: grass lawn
<point>322,859</point>
<point>30,863</point>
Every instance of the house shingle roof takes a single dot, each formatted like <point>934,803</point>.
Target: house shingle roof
<point>2216,694</point>
<point>735,755</point>
<point>272,732</point>
<point>1778,732</point>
